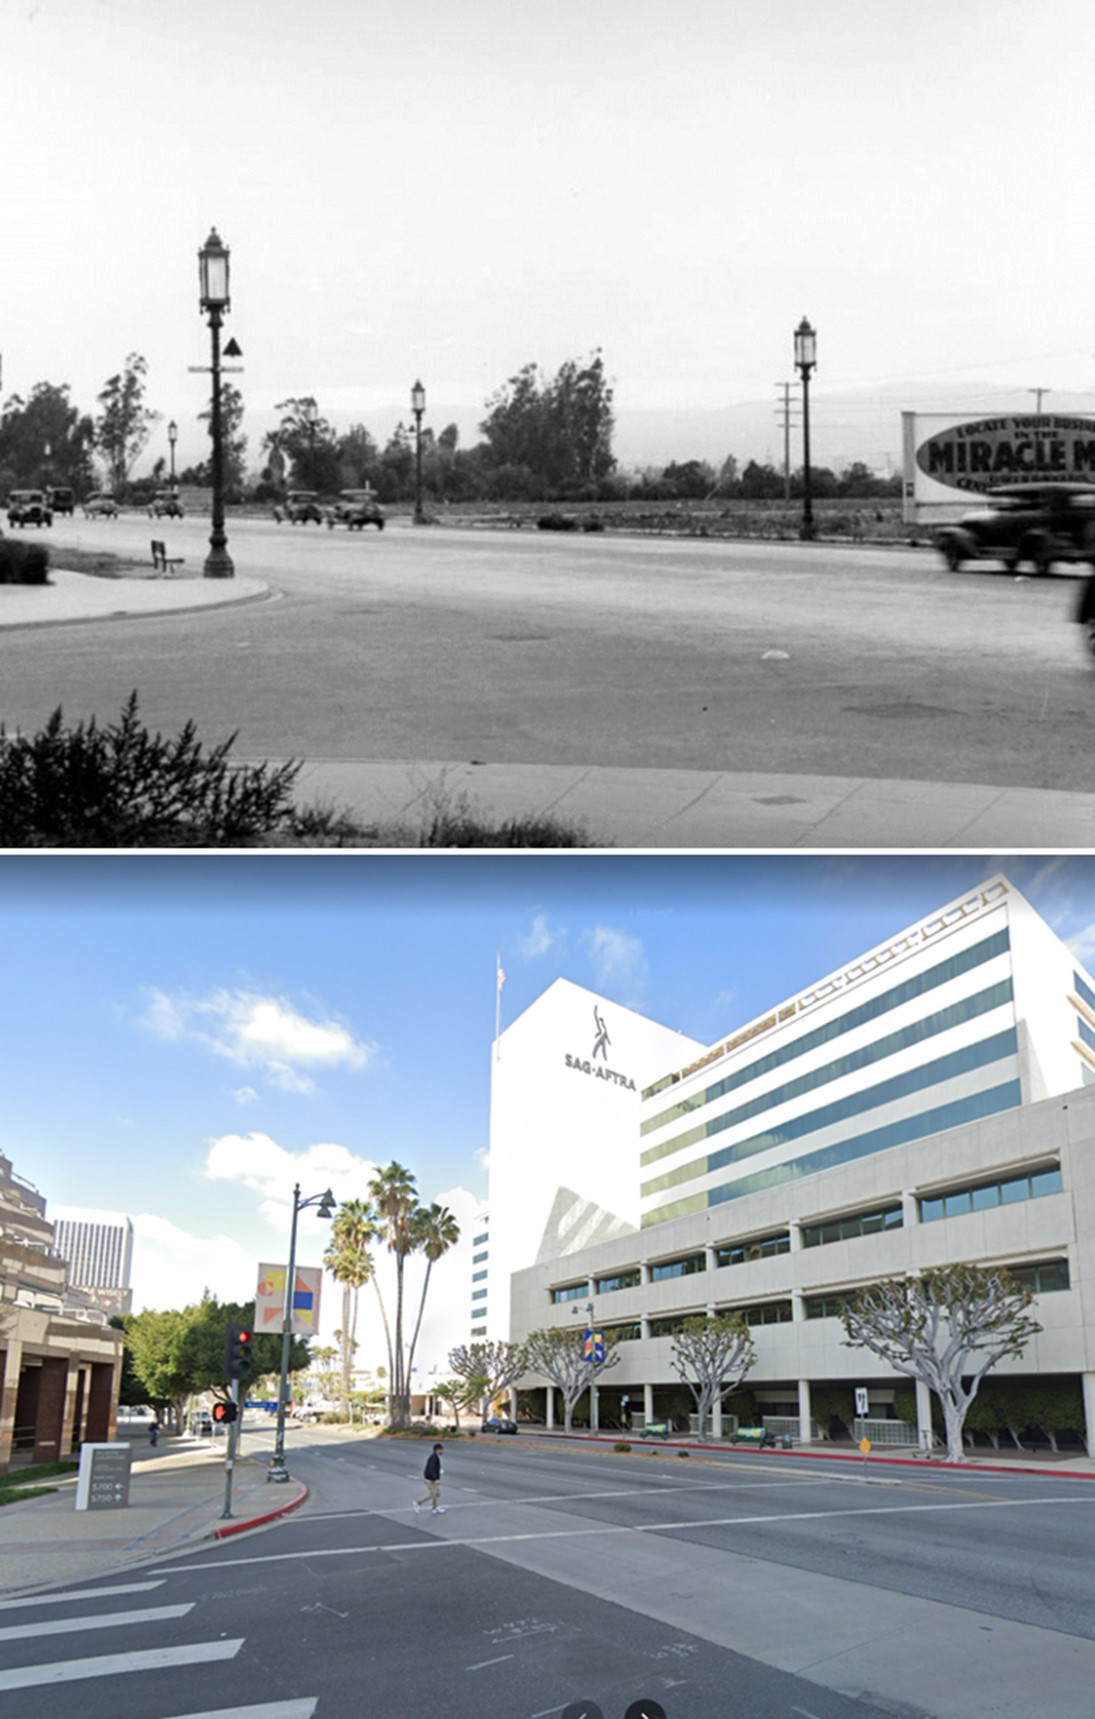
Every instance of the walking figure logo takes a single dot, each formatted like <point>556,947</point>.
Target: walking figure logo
<point>602,1041</point>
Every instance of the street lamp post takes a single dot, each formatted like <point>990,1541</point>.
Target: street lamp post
<point>172,437</point>
<point>213,273</point>
<point>326,1204</point>
<point>805,360</point>
<point>311,418</point>
<point>418,406</point>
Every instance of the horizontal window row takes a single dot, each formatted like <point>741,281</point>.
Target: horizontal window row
<point>479,1294</point>
<point>979,1197</point>
<point>860,1224</point>
<point>477,1241</point>
<point>761,1247</point>
<point>478,1330</point>
<point>1083,990</point>
<point>621,1280</point>
<point>572,1292</point>
<point>1087,1034</point>
<point>686,1267</point>
<point>478,1276</point>
<point>478,1258</point>
<point>916,986</point>
<point>629,1333</point>
<point>1008,1095</point>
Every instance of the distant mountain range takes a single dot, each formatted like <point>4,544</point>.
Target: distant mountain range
<point>844,427</point>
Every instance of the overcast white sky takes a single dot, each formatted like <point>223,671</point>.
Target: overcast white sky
<point>452,188</point>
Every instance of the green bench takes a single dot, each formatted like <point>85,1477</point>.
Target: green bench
<point>757,1436</point>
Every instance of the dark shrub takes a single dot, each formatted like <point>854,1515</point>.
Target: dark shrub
<point>23,563</point>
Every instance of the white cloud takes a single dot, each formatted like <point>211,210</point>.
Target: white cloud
<point>482,1157</point>
<point>539,940</point>
<point>619,961</point>
<point>257,1162</point>
<point>245,1095</point>
<point>264,1033</point>
<point>171,1267</point>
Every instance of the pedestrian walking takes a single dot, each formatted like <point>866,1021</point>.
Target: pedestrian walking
<point>432,1474</point>
<point>154,1432</point>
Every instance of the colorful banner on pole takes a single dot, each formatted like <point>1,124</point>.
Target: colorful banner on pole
<point>593,1346</point>
<point>270,1300</point>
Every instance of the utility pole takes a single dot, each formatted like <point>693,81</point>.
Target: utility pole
<point>1038,392</point>
<point>784,411</point>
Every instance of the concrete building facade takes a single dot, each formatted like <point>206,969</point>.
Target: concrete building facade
<point>98,1247</point>
<point>60,1363</point>
<point>933,1102</point>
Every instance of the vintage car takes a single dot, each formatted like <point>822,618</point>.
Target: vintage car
<point>301,508</point>
<point>356,508</point>
<point>29,507</point>
<point>1037,523</point>
<point>165,504</point>
<point>62,501</point>
<point>100,507</point>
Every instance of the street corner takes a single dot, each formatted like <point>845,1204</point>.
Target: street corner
<point>74,596</point>
<point>260,1518</point>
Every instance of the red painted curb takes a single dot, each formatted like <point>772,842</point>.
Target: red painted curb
<point>267,1516</point>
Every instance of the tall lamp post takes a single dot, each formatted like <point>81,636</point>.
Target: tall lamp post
<point>326,1204</point>
<point>418,406</point>
<point>311,419</point>
<point>805,359</point>
<point>213,273</point>
<point>172,438</point>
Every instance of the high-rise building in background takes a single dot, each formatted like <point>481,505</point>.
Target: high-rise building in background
<point>98,1247</point>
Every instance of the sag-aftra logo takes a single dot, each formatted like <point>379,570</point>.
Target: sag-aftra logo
<point>590,1065</point>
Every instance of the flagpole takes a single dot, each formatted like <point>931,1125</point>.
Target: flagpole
<point>500,979</point>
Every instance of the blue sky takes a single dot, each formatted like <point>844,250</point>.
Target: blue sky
<point>184,1038</point>
<point>452,191</point>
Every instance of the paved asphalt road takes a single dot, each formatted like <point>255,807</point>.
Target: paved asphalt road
<point>744,1584</point>
<point>530,647</point>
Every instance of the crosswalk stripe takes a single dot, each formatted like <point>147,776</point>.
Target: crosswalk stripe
<point>302,1709</point>
<point>111,1664</point>
<point>80,1594</point>
<point>108,1620</point>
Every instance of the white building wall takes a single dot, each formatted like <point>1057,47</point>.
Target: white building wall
<point>563,1127</point>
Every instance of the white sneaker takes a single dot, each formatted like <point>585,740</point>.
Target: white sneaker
<point>440,1511</point>
<point>414,1505</point>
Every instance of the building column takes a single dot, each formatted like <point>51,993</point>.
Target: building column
<point>550,1417</point>
<point>100,1403</point>
<point>910,1209</point>
<point>49,1422</point>
<point>794,1230</point>
<point>648,1402</point>
<point>924,1434</point>
<point>11,1362</point>
<point>805,1416</point>
<point>1088,1381</point>
<point>716,1417</point>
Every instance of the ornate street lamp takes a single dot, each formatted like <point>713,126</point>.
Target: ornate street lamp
<point>311,419</point>
<point>326,1204</point>
<point>213,274</point>
<point>172,437</point>
<point>805,359</point>
<point>418,406</point>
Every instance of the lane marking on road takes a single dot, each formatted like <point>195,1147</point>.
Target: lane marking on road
<point>80,1594</point>
<point>302,1709</point>
<point>483,1663</point>
<point>605,1528</point>
<point>112,1664</point>
<point>98,1620</point>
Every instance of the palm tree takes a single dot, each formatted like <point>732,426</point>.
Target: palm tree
<point>350,1263</point>
<point>395,1205</point>
<point>436,1231</point>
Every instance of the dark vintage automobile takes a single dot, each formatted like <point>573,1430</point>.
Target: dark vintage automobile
<point>29,507</point>
<point>165,504</point>
<point>62,500</point>
<point>301,508</point>
<point>356,508</point>
<point>1037,524</point>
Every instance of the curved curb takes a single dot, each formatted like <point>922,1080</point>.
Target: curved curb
<point>267,594</point>
<point>267,1516</point>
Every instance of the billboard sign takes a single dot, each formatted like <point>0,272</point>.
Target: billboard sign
<point>949,462</point>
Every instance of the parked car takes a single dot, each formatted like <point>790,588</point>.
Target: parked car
<point>356,508</point>
<point>301,508</point>
<point>29,507</point>
<point>100,507</point>
<point>165,504</point>
<point>1039,523</point>
<point>313,1410</point>
<point>498,1424</point>
<point>62,501</point>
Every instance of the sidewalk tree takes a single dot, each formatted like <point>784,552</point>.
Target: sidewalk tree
<point>946,1328</point>
<point>308,441</point>
<point>436,1231</point>
<point>351,1264</point>
<point>45,440</point>
<point>404,1227</point>
<point>461,1393</point>
<point>233,440</point>
<point>494,1365</point>
<point>558,1355</point>
<point>178,1353</point>
<point>125,422</point>
<point>712,1356</point>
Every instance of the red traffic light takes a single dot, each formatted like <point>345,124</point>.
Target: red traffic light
<point>224,1413</point>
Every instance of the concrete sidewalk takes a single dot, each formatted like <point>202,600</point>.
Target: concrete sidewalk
<point>616,807</point>
<point>176,1497</point>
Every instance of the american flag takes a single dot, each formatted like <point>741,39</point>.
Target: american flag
<point>501,976</point>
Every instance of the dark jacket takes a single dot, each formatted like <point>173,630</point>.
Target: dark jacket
<point>432,1470</point>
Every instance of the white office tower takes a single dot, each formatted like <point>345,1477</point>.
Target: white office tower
<point>566,1080</point>
<point>98,1247</point>
<point>977,1009</point>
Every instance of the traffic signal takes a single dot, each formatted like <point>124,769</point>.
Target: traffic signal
<point>237,1352</point>
<point>224,1413</point>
